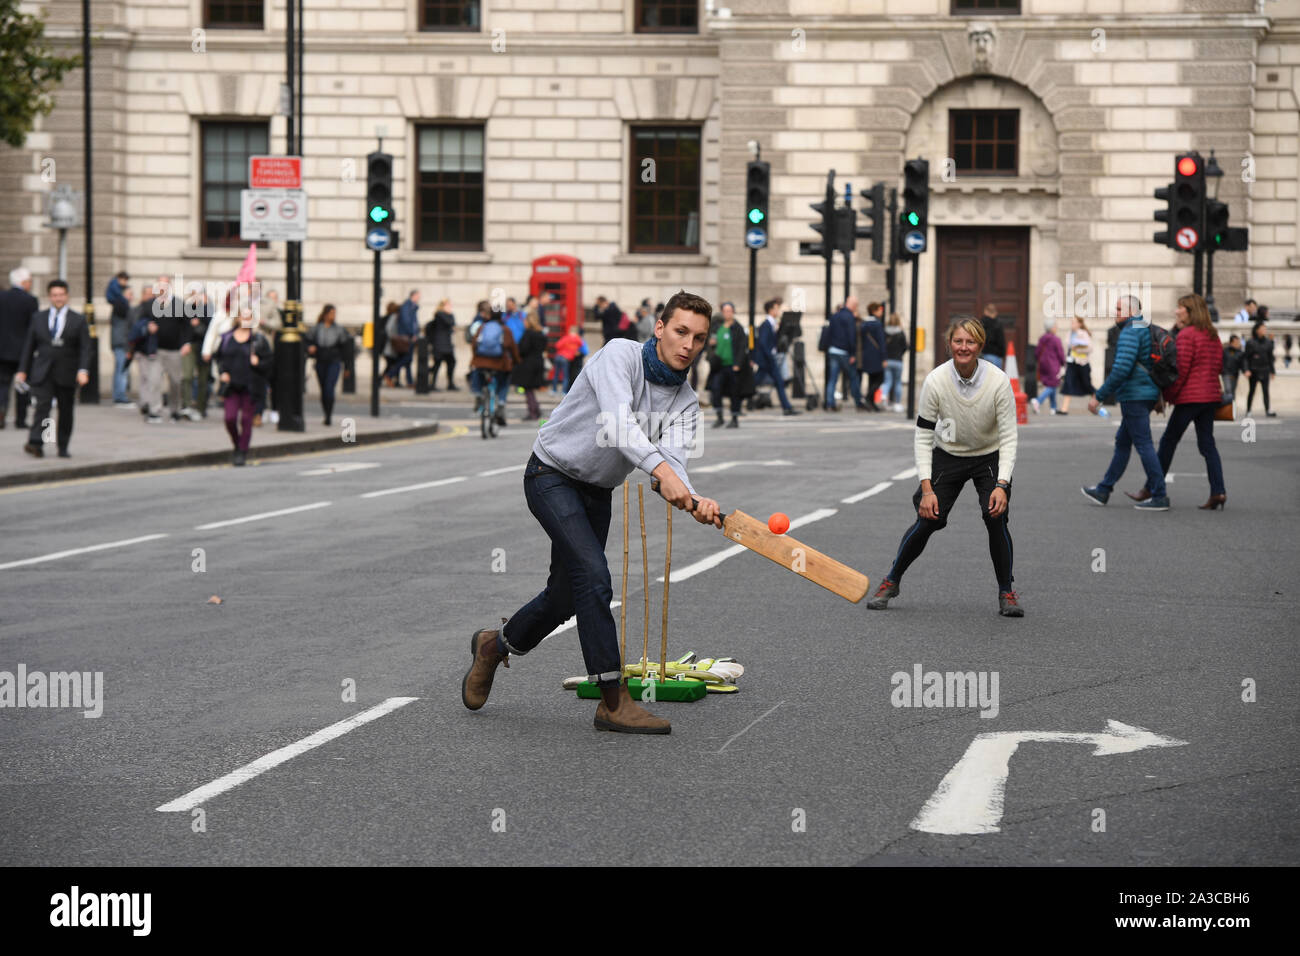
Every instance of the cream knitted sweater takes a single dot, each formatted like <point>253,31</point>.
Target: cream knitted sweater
<point>967,426</point>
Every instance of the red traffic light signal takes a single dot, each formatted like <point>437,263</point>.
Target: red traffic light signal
<point>1187,166</point>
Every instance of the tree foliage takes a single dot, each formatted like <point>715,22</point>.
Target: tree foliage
<point>30,72</point>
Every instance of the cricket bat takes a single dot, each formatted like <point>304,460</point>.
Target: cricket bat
<point>793,555</point>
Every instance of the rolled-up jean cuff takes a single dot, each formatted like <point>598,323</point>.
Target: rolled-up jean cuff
<point>508,646</point>
<point>607,679</point>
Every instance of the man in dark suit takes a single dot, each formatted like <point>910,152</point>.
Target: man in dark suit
<point>56,359</point>
<point>766,358</point>
<point>17,304</point>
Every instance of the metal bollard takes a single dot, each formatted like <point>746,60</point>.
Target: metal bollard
<point>422,366</point>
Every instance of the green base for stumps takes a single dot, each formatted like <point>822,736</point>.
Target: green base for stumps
<point>671,690</point>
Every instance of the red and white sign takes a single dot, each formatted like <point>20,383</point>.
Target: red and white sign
<point>275,172</point>
<point>1187,238</point>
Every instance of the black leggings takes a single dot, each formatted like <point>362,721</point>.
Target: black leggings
<point>949,474</point>
<point>1262,381</point>
<point>438,359</point>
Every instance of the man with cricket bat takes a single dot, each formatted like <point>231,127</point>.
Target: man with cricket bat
<point>629,408</point>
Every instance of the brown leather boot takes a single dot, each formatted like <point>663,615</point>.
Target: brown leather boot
<point>617,711</point>
<point>476,686</point>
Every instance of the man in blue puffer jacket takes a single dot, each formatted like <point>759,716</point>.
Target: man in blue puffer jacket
<point>1130,383</point>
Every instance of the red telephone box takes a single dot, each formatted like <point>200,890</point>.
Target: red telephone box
<point>561,276</point>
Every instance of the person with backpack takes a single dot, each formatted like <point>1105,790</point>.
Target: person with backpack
<point>1132,383</point>
<point>1195,395</point>
<point>495,354</point>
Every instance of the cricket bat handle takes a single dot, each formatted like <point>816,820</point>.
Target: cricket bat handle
<point>654,486</point>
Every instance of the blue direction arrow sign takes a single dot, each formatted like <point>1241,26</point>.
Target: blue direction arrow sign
<point>379,239</point>
<point>756,238</point>
<point>914,241</point>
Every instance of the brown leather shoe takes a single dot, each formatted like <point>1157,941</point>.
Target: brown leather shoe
<point>1142,495</point>
<point>617,711</point>
<point>476,686</point>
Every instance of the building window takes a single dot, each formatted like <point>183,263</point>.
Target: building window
<point>667,16</point>
<point>226,148</point>
<point>666,205</point>
<point>985,142</point>
<point>994,7</point>
<point>439,15</point>
<point>233,14</point>
<point>449,190</point>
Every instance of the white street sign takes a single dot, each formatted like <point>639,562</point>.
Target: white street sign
<point>273,215</point>
<point>970,798</point>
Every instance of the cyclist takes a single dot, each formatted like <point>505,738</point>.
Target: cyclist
<point>495,354</point>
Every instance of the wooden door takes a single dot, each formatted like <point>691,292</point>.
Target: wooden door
<point>978,265</point>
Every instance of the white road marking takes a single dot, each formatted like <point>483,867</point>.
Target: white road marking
<point>734,736</point>
<point>904,475</point>
<point>277,757</point>
<point>341,467</point>
<point>728,465</point>
<point>259,517</point>
<point>500,471</point>
<point>873,490</point>
<point>419,487</point>
<point>713,560</point>
<point>73,551</point>
<point>970,798</point>
<point>1186,474</point>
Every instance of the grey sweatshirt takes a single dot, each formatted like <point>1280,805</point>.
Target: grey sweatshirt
<point>613,420</point>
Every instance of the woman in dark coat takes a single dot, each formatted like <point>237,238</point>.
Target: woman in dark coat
<point>530,374</point>
<point>438,332</point>
<point>1257,364</point>
<point>331,345</point>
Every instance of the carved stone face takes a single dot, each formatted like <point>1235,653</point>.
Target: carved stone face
<point>981,42</point>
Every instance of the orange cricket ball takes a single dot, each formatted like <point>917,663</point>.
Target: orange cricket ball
<point>778,523</point>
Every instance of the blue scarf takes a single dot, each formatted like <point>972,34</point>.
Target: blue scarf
<point>657,371</point>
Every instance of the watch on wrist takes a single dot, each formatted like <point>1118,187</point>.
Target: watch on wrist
<point>1004,485</point>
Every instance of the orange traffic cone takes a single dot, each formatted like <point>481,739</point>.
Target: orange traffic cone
<point>1013,373</point>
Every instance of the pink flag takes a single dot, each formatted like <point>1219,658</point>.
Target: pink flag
<point>248,271</point>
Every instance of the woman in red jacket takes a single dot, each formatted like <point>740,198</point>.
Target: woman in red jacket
<point>1195,395</point>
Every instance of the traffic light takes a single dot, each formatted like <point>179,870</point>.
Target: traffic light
<point>825,228</point>
<point>1164,237</point>
<point>379,191</point>
<point>758,188</point>
<point>1216,224</point>
<point>875,214</point>
<point>846,220</point>
<point>914,219</point>
<point>1186,201</point>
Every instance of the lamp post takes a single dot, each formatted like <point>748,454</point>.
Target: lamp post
<point>1214,173</point>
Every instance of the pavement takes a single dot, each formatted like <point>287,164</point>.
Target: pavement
<point>351,580</point>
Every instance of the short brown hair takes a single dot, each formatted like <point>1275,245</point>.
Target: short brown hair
<point>1198,313</point>
<point>689,301</point>
<point>990,310</point>
<point>970,325</point>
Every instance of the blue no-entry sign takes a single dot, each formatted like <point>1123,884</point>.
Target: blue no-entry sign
<point>914,241</point>
<point>756,238</point>
<point>378,239</point>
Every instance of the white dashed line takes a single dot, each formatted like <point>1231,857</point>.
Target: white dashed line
<point>873,490</point>
<point>904,475</point>
<point>500,471</point>
<point>422,485</point>
<point>73,551</point>
<point>264,514</point>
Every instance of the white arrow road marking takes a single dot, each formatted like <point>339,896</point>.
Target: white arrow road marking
<point>67,554</point>
<point>713,560</point>
<point>335,469</point>
<point>259,517</point>
<point>728,465</point>
<point>873,490</point>
<point>277,757</point>
<point>970,798</point>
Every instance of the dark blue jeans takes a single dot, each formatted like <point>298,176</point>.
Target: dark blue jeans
<point>327,376</point>
<point>1202,413</point>
<point>840,363</point>
<point>1135,432</point>
<point>575,515</point>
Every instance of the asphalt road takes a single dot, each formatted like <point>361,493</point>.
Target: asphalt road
<point>810,763</point>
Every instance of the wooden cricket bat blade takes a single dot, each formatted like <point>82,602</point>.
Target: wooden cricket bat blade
<point>793,555</point>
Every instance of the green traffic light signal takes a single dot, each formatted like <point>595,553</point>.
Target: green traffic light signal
<point>755,216</point>
<point>379,213</point>
<point>913,219</point>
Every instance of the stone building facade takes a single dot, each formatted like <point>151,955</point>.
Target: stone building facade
<point>1104,94</point>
